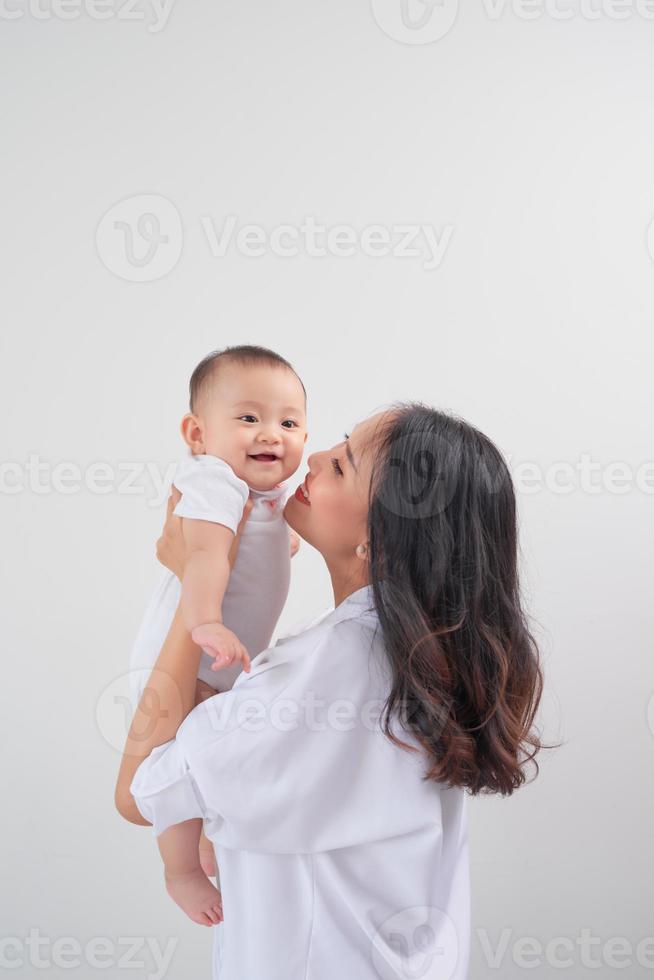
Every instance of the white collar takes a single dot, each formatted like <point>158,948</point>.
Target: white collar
<point>358,605</point>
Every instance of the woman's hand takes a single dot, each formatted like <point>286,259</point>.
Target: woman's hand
<point>170,546</point>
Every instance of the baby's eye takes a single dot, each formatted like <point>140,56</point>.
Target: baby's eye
<point>248,418</point>
<point>291,423</point>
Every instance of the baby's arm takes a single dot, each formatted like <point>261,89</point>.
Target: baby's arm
<point>206,574</point>
<point>206,571</point>
<point>186,882</point>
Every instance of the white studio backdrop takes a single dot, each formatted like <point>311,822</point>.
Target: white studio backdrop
<point>408,201</point>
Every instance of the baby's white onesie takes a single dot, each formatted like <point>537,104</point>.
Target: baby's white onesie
<point>258,582</point>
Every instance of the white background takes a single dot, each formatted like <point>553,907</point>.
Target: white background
<point>533,140</point>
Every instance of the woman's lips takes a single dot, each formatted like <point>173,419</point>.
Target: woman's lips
<point>299,495</point>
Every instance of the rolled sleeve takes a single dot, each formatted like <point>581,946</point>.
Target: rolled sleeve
<point>164,789</point>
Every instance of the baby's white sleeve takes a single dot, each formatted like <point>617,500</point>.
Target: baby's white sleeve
<point>211,491</point>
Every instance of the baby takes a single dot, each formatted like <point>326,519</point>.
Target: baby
<point>246,432</point>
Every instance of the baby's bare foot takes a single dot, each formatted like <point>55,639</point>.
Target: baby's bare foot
<point>196,896</point>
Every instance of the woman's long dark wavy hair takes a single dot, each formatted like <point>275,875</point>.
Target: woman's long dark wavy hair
<point>443,552</point>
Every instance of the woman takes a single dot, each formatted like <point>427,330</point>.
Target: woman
<point>331,779</point>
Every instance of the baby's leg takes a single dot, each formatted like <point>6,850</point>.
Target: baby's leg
<point>186,882</point>
<point>207,856</point>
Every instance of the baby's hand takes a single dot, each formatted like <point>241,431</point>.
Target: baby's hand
<point>224,645</point>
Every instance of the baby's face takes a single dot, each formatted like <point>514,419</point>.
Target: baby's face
<point>254,418</point>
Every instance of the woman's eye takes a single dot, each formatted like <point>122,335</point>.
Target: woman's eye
<point>337,466</point>
<point>247,418</point>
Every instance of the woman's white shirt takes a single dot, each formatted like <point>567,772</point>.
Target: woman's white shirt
<point>336,857</point>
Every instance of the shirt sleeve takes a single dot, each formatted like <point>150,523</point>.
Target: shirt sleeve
<point>211,491</point>
<point>164,788</point>
<point>292,759</point>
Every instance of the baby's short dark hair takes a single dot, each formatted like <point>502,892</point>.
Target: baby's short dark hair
<point>247,354</point>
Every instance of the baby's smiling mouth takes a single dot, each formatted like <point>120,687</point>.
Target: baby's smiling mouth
<point>264,457</point>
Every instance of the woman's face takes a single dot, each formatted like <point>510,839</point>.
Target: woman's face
<point>334,517</point>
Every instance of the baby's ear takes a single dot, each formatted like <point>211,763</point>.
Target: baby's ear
<point>192,432</point>
<point>306,436</point>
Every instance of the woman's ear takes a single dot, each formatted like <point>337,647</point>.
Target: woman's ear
<point>193,433</point>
